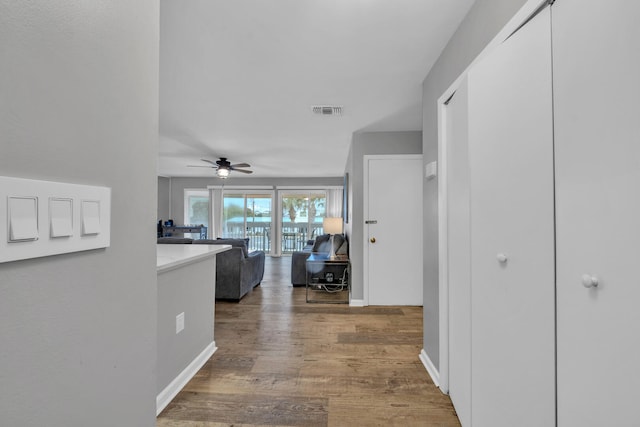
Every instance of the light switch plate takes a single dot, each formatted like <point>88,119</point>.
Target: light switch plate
<point>42,218</point>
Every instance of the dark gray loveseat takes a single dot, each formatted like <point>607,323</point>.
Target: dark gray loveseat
<point>237,270</point>
<point>320,245</point>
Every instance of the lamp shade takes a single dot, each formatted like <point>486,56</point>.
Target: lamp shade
<point>332,225</point>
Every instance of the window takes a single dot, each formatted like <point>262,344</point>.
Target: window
<point>275,220</point>
<point>248,215</point>
<point>196,209</point>
<point>302,215</point>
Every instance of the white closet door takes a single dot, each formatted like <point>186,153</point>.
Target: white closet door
<point>512,232</point>
<point>459,271</point>
<point>597,126</point>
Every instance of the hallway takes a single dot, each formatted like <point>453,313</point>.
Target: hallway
<point>281,361</point>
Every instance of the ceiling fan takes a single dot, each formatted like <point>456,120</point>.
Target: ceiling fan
<point>224,167</point>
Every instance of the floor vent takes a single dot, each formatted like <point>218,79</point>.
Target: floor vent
<point>327,110</point>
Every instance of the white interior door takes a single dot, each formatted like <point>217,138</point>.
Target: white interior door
<point>512,232</point>
<point>459,257</point>
<point>393,245</point>
<point>597,128</point>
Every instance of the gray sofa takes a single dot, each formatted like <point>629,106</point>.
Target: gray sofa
<point>237,270</point>
<point>321,244</point>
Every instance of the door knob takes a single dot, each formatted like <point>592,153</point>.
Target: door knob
<point>589,281</point>
<point>372,240</point>
<point>502,258</point>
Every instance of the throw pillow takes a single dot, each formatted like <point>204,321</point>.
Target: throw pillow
<point>323,244</point>
<point>343,249</point>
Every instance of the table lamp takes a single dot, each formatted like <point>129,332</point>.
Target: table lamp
<point>332,226</point>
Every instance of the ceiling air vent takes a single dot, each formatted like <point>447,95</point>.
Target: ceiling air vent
<point>327,110</point>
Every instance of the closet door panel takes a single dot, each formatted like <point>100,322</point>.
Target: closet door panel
<point>596,59</point>
<point>512,232</point>
<point>459,273</point>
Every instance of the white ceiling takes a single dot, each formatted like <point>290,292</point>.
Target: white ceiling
<point>238,78</point>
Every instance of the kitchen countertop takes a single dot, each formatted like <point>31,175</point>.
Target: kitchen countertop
<point>173,256</point>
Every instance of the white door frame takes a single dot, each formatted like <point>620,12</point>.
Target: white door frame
<point>365,197</point>
<point>528,9</point>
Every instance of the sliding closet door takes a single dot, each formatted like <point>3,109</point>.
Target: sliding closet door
<point>459,274</point>
<point>597,125</point>
<point>512,232</point>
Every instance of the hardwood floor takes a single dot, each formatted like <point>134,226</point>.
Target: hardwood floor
<point>283,362</point>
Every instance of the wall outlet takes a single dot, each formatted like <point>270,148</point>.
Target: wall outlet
<point>179,322</point>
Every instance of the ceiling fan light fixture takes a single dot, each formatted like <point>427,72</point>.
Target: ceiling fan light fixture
<point>222,173</point>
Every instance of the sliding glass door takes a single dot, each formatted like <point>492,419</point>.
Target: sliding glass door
<point>248,215</point>
<point>301,219</point>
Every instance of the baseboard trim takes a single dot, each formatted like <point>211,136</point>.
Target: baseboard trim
<point>356,303</point>
<point>430,367</point>
<point>166,396</point>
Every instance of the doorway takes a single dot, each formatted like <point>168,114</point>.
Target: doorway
<point>393,230</point>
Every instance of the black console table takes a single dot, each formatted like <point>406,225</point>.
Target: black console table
<point>328,279</point>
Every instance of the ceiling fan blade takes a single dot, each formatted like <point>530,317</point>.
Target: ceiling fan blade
<point>242,171</point>
<point>209,161</point>
<point>199,166</point>
<point>241,165</point>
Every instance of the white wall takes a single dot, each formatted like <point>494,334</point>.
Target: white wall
<point>485,19</point>
<point>79,103</point>
<point>189,289</point>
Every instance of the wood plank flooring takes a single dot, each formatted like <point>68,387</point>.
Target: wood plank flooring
<point>283,362</point>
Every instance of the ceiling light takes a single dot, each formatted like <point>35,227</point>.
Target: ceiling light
<point>222,172</point>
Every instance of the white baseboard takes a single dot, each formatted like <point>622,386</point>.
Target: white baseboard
<point>431,369</point>
<point>356,303</point>
<point>166,396</point>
